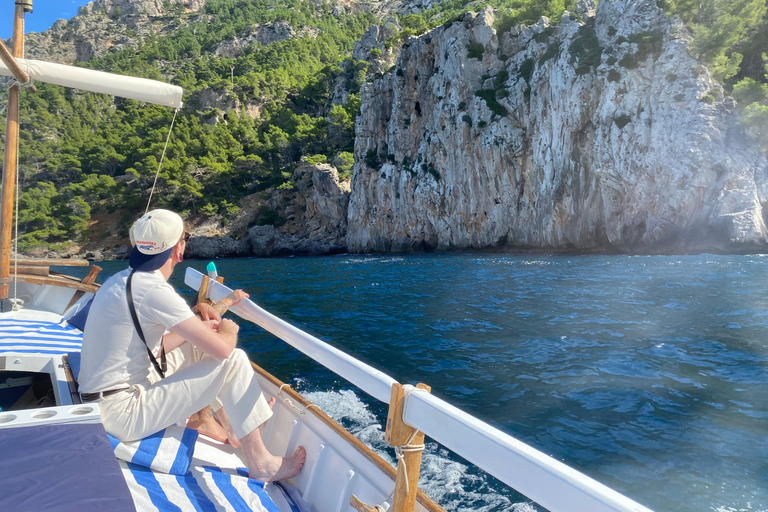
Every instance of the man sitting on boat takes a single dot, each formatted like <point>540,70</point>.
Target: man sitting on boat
<point>202,364</point>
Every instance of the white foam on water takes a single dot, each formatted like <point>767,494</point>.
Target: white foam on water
<point>731,509</point>
<point>452,484</point>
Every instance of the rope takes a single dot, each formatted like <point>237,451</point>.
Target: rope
<point>290,403</point>
<point>16,223</point>
<point>400,452</point>
<point>162,157</point>
<point>15,301</point>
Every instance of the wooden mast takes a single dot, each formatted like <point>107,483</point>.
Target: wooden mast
<point>9,160</point>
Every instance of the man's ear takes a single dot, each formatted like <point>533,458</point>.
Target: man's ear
<point>178,252</point>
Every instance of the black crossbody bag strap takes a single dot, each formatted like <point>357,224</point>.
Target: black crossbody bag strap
<point>162,367</point>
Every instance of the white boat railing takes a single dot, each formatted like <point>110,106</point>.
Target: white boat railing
<point>366,377</point>
<point>541,478</point>
<point>548,482</point>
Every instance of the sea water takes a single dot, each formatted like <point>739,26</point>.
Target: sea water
<point>647,373</point>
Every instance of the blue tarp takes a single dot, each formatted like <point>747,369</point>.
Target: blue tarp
<point>60,467</point>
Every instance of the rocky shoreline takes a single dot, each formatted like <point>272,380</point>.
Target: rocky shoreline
<point>217,247</point>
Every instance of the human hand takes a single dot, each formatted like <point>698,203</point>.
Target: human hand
<point>213,324</point>
<point>207,312</point>
<point>234,297</point>
<point>228,326</point>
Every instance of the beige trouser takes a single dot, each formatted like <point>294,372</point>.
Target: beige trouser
<point>193,381</point>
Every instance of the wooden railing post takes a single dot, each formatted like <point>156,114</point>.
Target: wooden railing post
<point>202,293</point>
<point>402,436</point>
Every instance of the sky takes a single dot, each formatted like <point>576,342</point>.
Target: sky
<point>45,12</point>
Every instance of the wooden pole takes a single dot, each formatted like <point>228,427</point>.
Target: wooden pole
<point>358,505</point>
<point>7,57</point>
<point>9,165</point>
<point>399,434</point>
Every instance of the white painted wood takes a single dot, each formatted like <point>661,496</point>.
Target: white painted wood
<point>546,481</point>
<point>369,379</point>
<point>58,415</point>
<point>343,502</point>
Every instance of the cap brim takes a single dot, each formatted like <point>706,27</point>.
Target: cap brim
<point>148,262</point>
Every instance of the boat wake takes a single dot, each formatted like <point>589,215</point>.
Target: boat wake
<point>457,486</point>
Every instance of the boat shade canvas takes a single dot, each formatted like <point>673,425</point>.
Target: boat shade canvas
<point>141,89</point>
<point>61,467</point>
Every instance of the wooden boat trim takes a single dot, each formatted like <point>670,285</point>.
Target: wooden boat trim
<point>71,382</point>
<point>55,279</point>
<point>30,270</point>
<point>7,58</point>
<point>391,472</point>
<point>51,262</point>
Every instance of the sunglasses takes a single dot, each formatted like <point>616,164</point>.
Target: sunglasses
<point>186,237</point>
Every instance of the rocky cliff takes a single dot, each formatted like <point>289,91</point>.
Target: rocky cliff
<point>310,218</point>
<point>105,26</point>
<point>602,133</point>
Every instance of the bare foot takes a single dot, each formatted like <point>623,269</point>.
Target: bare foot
<point>225,422</point>
<point>280,468</point>
<point>208,426</point>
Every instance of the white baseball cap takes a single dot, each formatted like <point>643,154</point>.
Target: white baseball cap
<point>153,237</point>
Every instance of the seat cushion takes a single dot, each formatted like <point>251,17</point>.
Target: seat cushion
<point>61,467</point>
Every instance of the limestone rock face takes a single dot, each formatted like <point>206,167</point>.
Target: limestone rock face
<point>115,8</point>
<point>373,41</point>
<point>209,247</point>
<point>102,27</point>
<point>224,101</point>
<point>265,34</point>
<point>600,134</point>
<point>315,213</point>
<point>209,240</point>
<point>311,218</point>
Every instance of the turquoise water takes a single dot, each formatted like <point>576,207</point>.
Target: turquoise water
<point>648,373</point>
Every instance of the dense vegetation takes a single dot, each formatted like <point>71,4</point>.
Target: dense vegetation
<point>731,38</point>
<point>84,154</point>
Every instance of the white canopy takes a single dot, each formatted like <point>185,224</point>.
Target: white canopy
<point>142,89</point>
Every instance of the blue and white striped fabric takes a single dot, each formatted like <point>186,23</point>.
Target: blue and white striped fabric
<point>207,489</point>
<point>168,451</point>
<point>39,337</point>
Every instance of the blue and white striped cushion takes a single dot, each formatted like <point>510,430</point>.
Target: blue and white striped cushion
<point>167,451</point>
<point>206,488</point>
<point>36,337</point>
